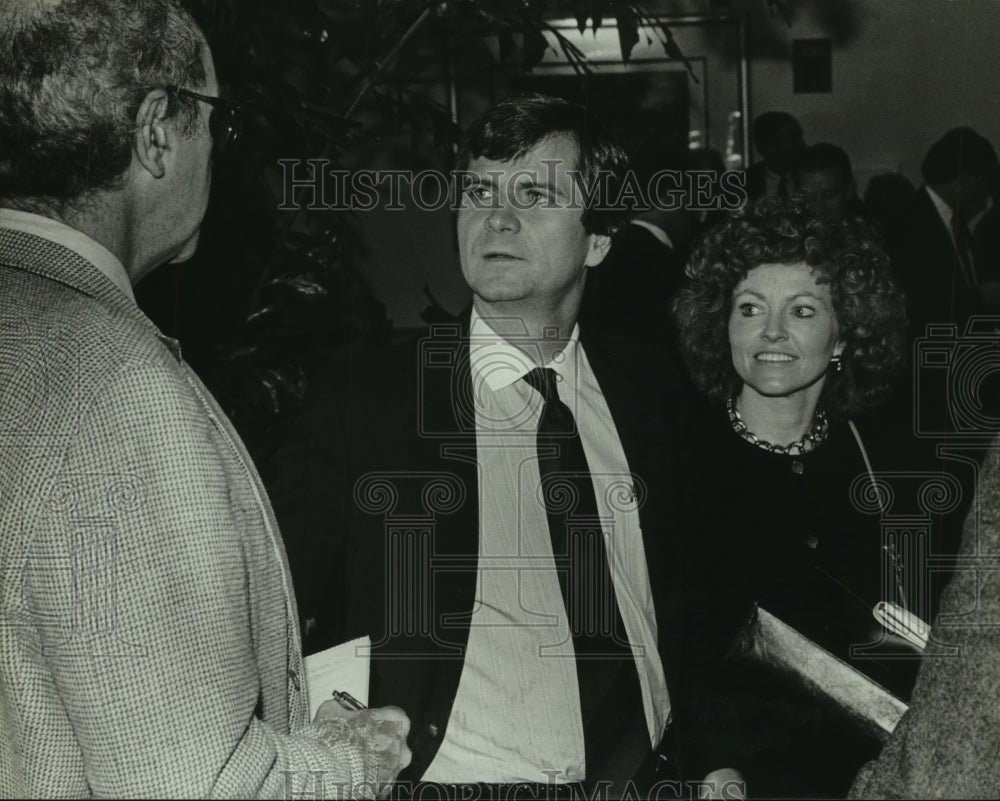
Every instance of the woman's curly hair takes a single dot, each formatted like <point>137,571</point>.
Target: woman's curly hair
<point>848,255</point>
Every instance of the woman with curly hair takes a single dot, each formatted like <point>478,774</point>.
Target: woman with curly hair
<point>790,325</point>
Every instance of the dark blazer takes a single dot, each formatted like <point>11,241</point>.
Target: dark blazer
<point>632,288</point>
<point>925,262</point>
<point>377,496</point>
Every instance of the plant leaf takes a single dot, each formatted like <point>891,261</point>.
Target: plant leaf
<point>628,29</point>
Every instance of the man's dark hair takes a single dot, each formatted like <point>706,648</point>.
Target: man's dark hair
<point>515,125</point>
<point>824,156</point>
<point>961,151</point>
<point>72,77</point>
<point>767,125</point>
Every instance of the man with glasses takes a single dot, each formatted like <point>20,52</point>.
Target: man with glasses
<point>148,634</point>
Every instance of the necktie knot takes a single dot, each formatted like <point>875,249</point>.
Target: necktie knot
<point>543,380</point>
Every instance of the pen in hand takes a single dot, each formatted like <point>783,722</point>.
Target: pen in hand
<point>348,701</point>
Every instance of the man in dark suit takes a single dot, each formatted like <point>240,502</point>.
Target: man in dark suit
<point>931,248</point>
<point>434,476</point>
<point>778,137</point>
<point>632,288</point>
<point>823,174</point>
<point>933,260</point>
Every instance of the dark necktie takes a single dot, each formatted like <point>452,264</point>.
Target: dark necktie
<point>614,723</point>
<point>963,248</point>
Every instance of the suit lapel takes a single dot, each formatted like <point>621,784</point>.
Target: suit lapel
<point>449,446</point>
<point>642,397</point>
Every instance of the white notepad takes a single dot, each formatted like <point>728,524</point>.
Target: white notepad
<point>343,667</point>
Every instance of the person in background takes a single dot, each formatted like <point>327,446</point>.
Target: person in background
<point>932,248</point>
<point>637,280</point>
<point>792,326</point>
<point>148,631</point>
<point>986,247</point>
<point>823,175</point>
<point>778,138</point>
<point>888,196</point>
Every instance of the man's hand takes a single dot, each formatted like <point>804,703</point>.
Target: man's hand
<point>724,783</point>
<point>380,735</point>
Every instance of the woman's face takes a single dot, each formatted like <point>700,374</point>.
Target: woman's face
<point>783,331</point>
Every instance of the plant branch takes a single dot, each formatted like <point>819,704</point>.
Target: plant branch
<point>390,57</point>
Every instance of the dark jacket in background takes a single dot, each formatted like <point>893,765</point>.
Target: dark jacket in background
<point>631,290</point>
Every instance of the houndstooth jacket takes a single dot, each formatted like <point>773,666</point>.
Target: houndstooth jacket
<point>148,633</point>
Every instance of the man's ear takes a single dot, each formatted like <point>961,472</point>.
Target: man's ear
<point>152,134</point>
<point>600,244</point>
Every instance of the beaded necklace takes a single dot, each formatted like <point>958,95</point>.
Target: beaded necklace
<point>813,437</point>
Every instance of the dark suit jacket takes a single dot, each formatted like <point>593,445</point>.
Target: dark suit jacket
<point>632,288</point>
<point>377,497</point>
<point>928,269</point>
<point>756,182</point>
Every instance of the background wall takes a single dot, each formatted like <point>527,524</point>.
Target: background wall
<point>904,72</point>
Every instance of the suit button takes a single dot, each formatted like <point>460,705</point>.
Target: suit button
<point>812,541</point>
<point>431,729</point>
<point>798,468</point>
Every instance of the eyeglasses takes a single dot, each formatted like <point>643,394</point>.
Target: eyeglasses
<point>225,122</point>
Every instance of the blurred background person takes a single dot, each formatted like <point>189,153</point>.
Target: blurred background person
<point>932,246</point>
<point>779,139</point>
<point>887,197</point>
<point>628,291</point>
<point>791,326</point>
<point>823,175</point>
<point>986,246</point>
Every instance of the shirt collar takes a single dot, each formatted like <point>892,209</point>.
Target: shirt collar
<point>498,363</point>
<point>656,231</point>
<point>943,209</point>
<point>86,248</point>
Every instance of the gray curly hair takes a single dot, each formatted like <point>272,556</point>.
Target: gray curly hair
<point>72,77</point>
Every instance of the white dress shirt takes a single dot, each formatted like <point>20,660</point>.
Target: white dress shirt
<point>516,715</point>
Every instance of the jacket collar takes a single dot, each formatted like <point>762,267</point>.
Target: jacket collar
<point>31,253</point>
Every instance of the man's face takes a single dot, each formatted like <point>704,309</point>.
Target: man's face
<point>826,190</point>
<point>194,170</point>
<point>519,241</point>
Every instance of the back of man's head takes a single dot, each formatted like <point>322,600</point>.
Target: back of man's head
<point>961,151</point>
<point>825,156</point>
<point>775,130</point>
<point>512,127</point>
<point>72,77</point>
